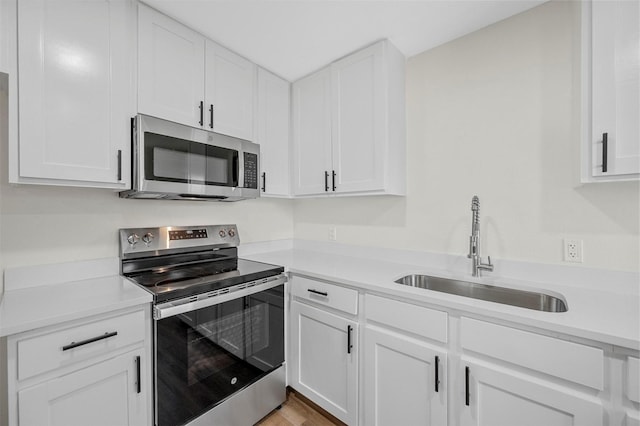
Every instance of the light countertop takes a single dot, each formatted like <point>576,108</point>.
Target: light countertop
<point>596,314</point>
<point>29,308</point>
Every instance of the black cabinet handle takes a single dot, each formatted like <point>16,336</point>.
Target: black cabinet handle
<point>264,181</point>
<point>119,165</point>
<point>466,386</point>
<point>605,151</point>
<point>211,115</point>
<point>349,345</point>
<point>201,113</point>
<point>326,181</point>
<point>138,376</point>
<point>321,293</point>
<point>333,179</point>
<point>86,342</point>
<point>437,363</point>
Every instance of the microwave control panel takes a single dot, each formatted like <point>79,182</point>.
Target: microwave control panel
<point>250,170</point>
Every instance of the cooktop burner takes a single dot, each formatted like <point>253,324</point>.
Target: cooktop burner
<point>178,262</point>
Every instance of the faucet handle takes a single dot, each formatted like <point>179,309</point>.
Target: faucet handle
<point>489,261</point>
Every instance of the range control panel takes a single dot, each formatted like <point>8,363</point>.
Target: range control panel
<point>188,234</point>
<point>136,242</point>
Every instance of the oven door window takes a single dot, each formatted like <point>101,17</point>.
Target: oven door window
<point>178,160</point>
<point>205,356</point>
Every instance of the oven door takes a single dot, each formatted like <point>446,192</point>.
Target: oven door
<point>208,350</point>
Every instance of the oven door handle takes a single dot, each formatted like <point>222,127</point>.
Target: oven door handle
<point>188,304</point>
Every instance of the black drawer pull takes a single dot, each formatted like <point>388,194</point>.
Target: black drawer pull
<point>326,181</point>
<point>321,293</point>
<point>86,342</point>
<point>201,106</point>
<point>605,146</point>
<point>211,116</point>
<point>138,377</point>
<point>349,345</point>
<point>333,179</point>
<point>119,165</point>
<point>437,363</point>
<point>466,386</point>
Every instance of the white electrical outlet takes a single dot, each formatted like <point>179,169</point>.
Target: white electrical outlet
<point>573,251</point>
<point>333,234</point>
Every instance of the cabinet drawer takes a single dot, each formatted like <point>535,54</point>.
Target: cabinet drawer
<point>336,297</point>
<point>567,360</point>
<point>425,322</point>
<point>633,376</point>
<point>56,349</point>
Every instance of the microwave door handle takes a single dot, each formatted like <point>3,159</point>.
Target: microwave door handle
<point>236,170</point>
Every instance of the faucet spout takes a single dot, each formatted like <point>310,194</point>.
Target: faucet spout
<point>474,241</point>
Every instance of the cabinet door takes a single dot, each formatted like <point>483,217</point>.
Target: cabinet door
<point>170,69</point>
<point>400,381</point>
<point>230,92</point>
<point>104,394</point>
<point>75,91</point>
<point>358,124</point>
<point>312,134</point>
<point>324,368</point>
<point>273,133</point>
<point>616,87</point>
<point>501,397</point>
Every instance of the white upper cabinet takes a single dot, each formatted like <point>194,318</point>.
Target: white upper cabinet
<point>170,68</point>
<point>349,125</point>
<point>229,92</point>
<point>611,34</point>
<point>312,134</point>
<point>358,118</point>
<point>76,91</point>
<point>272,133</point>
<point>186,78</point>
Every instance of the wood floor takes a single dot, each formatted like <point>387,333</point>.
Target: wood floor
<point>298,411</point>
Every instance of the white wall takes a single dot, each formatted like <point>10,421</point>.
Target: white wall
<point>495,113</point>
<point>48,224</point>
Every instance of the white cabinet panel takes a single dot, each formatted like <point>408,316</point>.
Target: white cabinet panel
<point>500,397</point>
<point>324,367</point>
<point>400,381</point>
<point>273,127</point>
<point>612,42</point>
<point>567,360</point>
<point>75,92</point>
<point>358,121</point>
<point>333,296</point>
<point>229,92</point>
<point>102,395</point>
<point>170,68</point>
<point>312,134</point>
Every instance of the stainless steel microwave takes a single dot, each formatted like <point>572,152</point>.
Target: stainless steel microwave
<point>177,162</point>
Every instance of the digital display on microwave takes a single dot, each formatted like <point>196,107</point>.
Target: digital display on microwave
<point>178,160</point>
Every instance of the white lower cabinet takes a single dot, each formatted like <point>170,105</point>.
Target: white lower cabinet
<point>404,380</point>
<point>104,394</point>
<point>423,365</point>
<point>495,396</point>
<point>93,371</point>
<point>324,359</point>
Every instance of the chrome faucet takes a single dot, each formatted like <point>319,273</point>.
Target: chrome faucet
<point>474,241</point>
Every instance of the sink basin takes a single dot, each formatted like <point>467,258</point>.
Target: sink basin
<point>508,296</point>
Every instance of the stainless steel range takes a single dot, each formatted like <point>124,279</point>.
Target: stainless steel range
<point>218,324</point>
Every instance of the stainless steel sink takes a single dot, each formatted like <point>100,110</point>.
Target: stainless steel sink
<point>508,296</point>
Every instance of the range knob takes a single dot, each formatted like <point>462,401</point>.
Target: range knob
<point>232,232</point>
<point>222,233</point>
<point>147,238</point>
<point>133,238</point>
